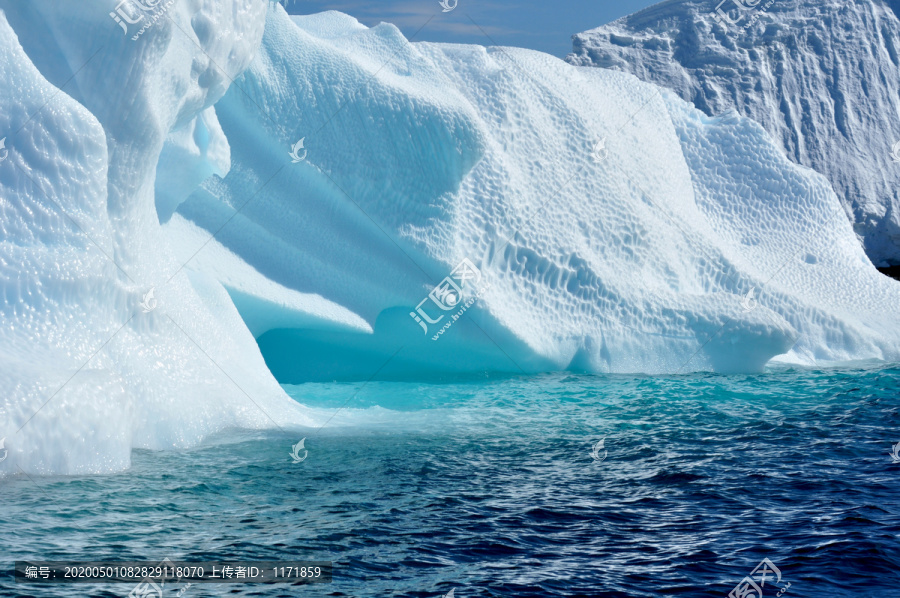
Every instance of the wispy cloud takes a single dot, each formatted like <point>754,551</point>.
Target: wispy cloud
<point>413,14</point>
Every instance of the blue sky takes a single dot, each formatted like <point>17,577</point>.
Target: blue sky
<point>540,25</point>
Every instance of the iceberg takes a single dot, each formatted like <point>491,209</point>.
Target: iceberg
<point>105,344</point>
<point>234,198</point>
<point>820,76</point>
<point>421,155</point>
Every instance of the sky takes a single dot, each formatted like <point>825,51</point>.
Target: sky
<point>542,25</point>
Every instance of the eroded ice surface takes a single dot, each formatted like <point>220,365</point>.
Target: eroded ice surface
<point>821,76</point>
<point>85,374</point>
<point>420,155</point>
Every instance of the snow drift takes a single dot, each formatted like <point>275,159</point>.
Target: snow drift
<point>821,76</point>
<point>679,243</point>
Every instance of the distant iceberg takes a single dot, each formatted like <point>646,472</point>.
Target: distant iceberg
<point>821,76</point>
<point>609,226</point>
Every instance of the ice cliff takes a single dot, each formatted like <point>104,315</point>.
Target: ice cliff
<point>613,227</point>
<point>821,76</point>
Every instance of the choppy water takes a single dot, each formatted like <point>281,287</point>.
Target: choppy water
<point>490,488</point>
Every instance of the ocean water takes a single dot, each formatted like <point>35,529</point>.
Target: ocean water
<point>495,488</point>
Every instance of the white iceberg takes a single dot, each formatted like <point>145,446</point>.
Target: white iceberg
<point>637,254</point>
<point>421,155</point>
<point>86,374</point>
<point>821,76</point>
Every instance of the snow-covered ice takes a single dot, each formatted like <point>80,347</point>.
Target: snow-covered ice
<point>419,155</point>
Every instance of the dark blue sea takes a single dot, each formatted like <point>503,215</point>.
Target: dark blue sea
<point>501,488</point>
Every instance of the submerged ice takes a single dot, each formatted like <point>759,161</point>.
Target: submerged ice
<point>614,227</point>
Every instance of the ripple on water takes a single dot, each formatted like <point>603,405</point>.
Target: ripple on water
<point>490,488</point>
